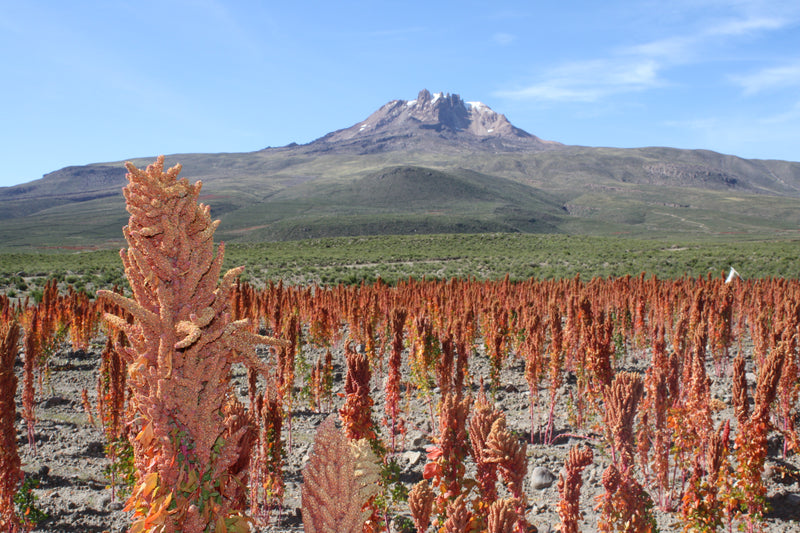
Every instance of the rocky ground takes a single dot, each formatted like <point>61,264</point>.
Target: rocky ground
<point>73,490</point>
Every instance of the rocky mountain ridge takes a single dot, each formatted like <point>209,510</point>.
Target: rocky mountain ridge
<point>431,120</point>
<point>434,164</point>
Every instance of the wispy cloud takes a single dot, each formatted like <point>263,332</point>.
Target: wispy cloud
<point>503,39</point>
<point>698,124</point>
<point>645,66</point>
<point>685,48</point>
<point>768,137</point>
<point>791,115</point>
<point>746,25</point>
<point>673,49</point>
<point>589,81</point>
<point>396,32</point>
<point>779,77</point>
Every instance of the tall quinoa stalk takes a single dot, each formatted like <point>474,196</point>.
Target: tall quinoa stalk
<point>10,464</point>
<point>192,437</point>
<point>569,487</point>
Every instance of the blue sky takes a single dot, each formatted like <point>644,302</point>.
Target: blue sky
<point>88,81</point>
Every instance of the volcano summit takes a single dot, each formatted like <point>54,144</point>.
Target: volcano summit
<point>432,122</point>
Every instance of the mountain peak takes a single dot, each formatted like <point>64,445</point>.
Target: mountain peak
<point>431,119</point>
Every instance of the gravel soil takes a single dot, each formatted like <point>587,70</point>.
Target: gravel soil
<point>74,491</point>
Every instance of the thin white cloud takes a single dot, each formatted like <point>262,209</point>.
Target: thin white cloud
<point>771,78</point>
<point>698,124</point>
<point>764,138</point>
<point>503,39</point>
<point>589,81</point>
<point>643,66</point>
<point>396,32</point>
<point>671,49</point>
<point>747,25</point>
<point>791,115</point>
<point>232,27</point>
<point>554,92</point>
<point>686,48</point>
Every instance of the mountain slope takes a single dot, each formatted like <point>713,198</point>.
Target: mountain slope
<point>65,186</point>
<point>435,164</point>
